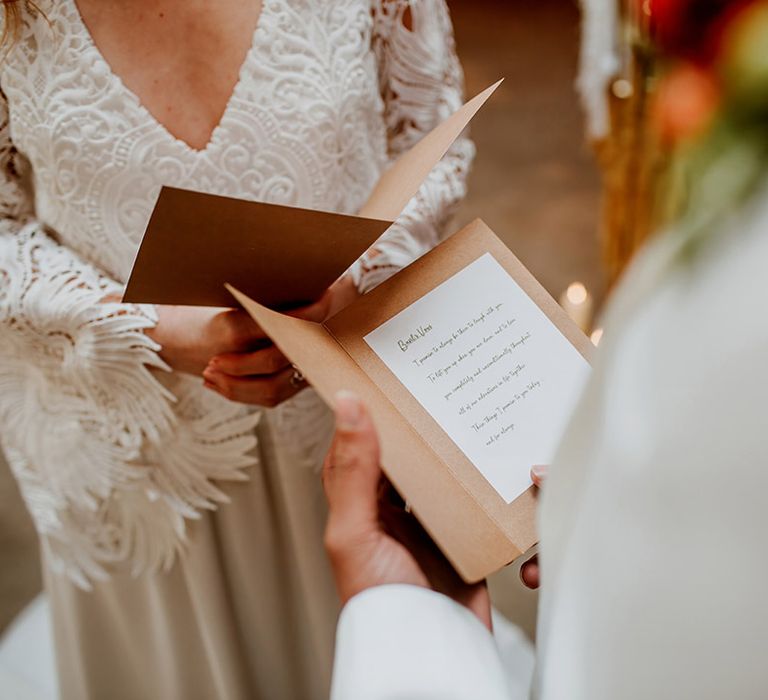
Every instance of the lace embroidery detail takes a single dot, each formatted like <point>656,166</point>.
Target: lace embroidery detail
<point>422,84</point>
<point>112,452</point>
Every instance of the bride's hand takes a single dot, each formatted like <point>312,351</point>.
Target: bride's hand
<point>265,377</point>
<point>190,336</point>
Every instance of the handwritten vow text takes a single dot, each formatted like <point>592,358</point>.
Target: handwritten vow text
<point>490,367</point>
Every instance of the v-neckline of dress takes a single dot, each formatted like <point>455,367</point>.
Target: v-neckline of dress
<point>156,123</point>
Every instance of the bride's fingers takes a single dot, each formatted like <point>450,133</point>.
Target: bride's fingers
<point>337,297</point>
<point>316,312</point>
<point>236,329</point>
<point>266,361</point>
<point>258,391</point>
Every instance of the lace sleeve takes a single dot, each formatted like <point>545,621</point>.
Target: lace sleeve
<point>76,389</point>
<point>421,81</point>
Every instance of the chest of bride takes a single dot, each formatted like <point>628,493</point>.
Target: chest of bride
<point>303,125</point>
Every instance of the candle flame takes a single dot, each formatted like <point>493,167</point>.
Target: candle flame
<point>577,293</point>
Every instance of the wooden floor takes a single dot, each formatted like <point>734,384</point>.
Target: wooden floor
<point>533,182</point>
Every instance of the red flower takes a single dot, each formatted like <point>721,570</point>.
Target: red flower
<point>692,29</point>
<point>686,102</point>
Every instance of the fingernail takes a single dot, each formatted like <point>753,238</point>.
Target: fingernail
<point>348,410</point>
<point>539,471</point>
<point>211,377</point>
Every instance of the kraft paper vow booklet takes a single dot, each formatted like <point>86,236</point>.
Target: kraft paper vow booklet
<point>471,371</point>
<point>469,367</point>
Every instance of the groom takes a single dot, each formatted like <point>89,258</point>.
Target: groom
<point>653,520</point>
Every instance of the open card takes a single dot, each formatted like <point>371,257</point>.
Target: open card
<point>471,371</point>
<point>281,256</point>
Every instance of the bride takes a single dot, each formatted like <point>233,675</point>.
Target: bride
<point>178,506</point>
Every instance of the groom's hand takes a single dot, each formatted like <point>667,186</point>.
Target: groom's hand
<point>370,538</point>
<point>529,571</point>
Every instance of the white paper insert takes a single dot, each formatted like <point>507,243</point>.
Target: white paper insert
<point>489,366</point>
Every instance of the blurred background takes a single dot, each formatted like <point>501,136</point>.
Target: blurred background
<point>534,182</point>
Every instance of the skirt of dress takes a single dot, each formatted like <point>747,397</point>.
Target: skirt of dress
<point>247,613</point>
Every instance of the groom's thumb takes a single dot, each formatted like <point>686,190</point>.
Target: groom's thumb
<point>351,473</point>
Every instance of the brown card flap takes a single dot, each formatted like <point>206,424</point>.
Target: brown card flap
<point>470,540</point>
<point>516,519</point>
<point>402,181</point>
<point>281,256</point>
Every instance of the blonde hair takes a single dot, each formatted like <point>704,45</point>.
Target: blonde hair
<point>11,17</point>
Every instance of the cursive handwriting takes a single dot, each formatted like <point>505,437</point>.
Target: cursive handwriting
<point>418,334</point>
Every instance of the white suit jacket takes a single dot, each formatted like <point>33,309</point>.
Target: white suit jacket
<point>654,521</point>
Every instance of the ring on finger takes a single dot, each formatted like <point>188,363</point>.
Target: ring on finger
<point>297,378</point>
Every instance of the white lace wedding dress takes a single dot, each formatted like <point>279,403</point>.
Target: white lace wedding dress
<point>181,534</point>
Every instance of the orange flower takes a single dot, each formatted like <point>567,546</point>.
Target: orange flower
<point>686,102</point>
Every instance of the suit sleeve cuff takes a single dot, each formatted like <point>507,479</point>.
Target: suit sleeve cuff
<point>400,641</point>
